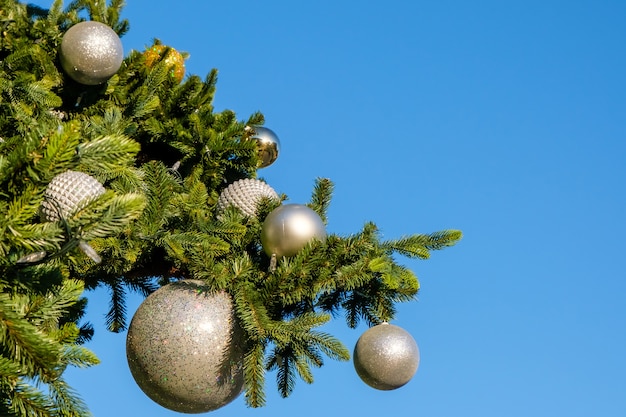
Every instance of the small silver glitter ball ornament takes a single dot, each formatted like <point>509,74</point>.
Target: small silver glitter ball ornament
<point>267,143</point>
<point>91,52</point>
<point>386,357</point>
<point>68,192</point>
<point>185,348</point>
<point>289,228</point>
<point>245,194</point>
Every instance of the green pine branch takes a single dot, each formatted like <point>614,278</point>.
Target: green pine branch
<point>35,347</point>
<point>254,374</point>
<point>115,318</point>
<point>420,245</point>
<point>322,194</point>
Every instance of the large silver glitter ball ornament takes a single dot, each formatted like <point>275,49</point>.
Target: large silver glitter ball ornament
<point>185,348</point>
<point>245,194</point>
<point>68,192</point>
<point>268,145</point>
<point>91,52</point>
<point>386,357</point>
<point>289,228</point>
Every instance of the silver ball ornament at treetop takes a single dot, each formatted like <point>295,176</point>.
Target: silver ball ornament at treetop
<point>245,194</point>
<point>91,52</point>
<point>386,357</point>
<point>68,192</point>
<point>289,228</point>
<point>185,348</point>
<point>268,145</point>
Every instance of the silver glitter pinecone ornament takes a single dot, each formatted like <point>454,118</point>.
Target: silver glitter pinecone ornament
<point>386,357</point>
<point>185,348</point>
<point>245,194</point>
<point>289,228</point>
<point>68,192</point>
<point>268,145</point>
<point>91,52</point>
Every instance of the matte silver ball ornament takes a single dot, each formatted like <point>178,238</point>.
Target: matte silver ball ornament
<point>185,348</point>
<point>268,145</point>
<point>91,52</point>
<point>245,194</point>
<point>289,228</point>
<point>68,192</point>
<point>386,357</point>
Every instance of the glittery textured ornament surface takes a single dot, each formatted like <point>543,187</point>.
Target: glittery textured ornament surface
<point>289,228</point>
<point>268,145</point>
<point>185,348</point>
<point>245,194</point>
<point>173,59</point>
<point>91,52</point>
<point>68,192</point>
<point>386,357</point>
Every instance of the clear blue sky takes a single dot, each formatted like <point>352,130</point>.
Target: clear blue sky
<point>505,119</point>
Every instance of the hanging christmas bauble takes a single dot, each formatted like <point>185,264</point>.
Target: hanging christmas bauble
<point>172,58</point>
<point>68,192</point>
<point>268,145</point>
<point>245,194</point>
<point>386,357</point>
<point>91,52</point>
<point>185,348</point>
<point>289,228</point>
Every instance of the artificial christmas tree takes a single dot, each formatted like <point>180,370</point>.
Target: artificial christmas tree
<point>163,158</point>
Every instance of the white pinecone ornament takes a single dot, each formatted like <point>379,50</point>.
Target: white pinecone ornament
<point>68,192</point>
<point>245,194</point>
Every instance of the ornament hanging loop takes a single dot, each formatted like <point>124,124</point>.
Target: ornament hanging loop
<point>89,251</point>
<point>273,262</point>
